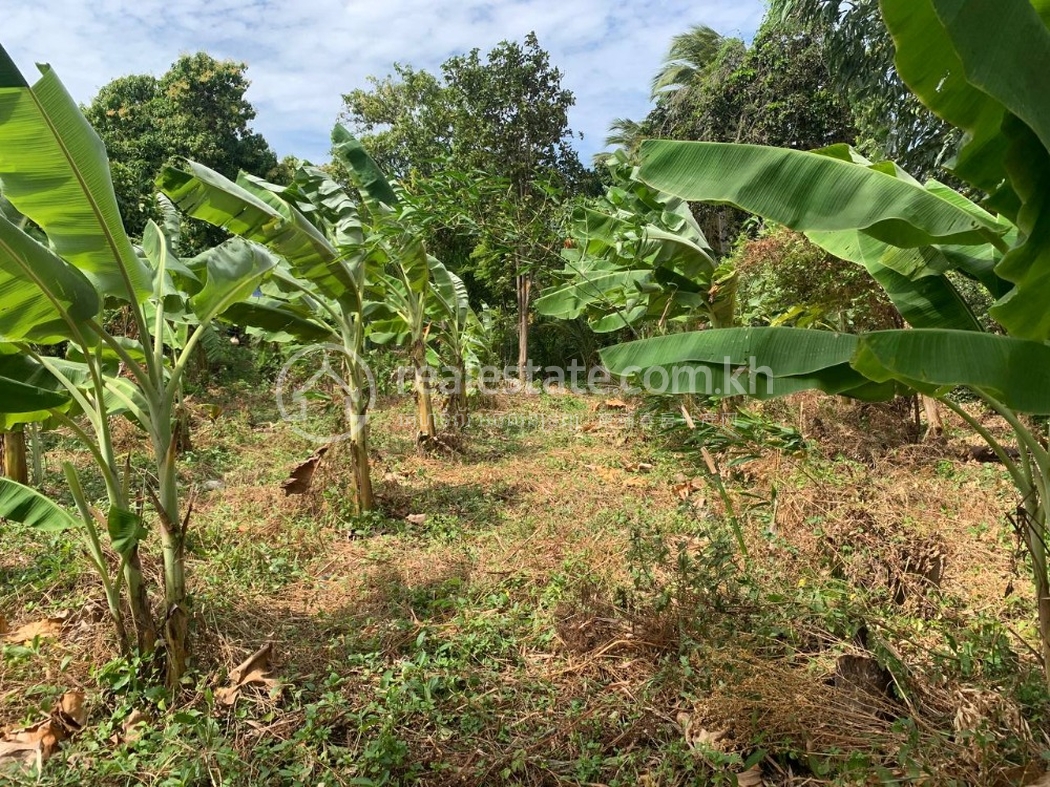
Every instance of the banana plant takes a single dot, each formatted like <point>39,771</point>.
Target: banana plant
<point>458,330</point>
<point>55,173</point>
<point>637,256</point>
<point>402,287</point>
<point>318,292</point>
<point>909,236</point>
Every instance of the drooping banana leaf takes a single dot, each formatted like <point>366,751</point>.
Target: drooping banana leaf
<point>278,321</point>
<point>207,195</point>
<point>34,284</point>
<point>55,171</point>
<point>759,362</point>
<point>1014,371</point>
<point>808,191</point>
<point>19,503</point>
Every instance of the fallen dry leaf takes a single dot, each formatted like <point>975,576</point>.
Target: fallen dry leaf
<point>33,745</point>
<point>298,483</point>
<point>616,404</point>
<point>132,728</point>
<point>752,777</point>
<point>19,756</point>
<point>48,628</point>
<point>254,670</point>
<point>70,712</point>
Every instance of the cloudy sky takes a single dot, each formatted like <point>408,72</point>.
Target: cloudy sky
<point>303,56</point>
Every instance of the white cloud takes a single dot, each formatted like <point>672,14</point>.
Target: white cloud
<point>302,57</point>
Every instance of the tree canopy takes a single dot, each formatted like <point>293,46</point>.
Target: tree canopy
<point>197,110</point>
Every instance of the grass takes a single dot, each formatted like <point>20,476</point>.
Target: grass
<point>571,609</point>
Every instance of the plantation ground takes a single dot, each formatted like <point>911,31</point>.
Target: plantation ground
<point>561,600</point>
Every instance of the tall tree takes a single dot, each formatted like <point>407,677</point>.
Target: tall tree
<point>891,122</point>
<point>504,114</point>
<point>686,63</point>
<point>197,109</point>
<point>778,92</point>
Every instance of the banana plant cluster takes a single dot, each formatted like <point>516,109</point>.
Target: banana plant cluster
<point>422,304</point>
<point>912,238</point>
<point>350,273</point>
<point>637,256</point>
<point>61,367</point>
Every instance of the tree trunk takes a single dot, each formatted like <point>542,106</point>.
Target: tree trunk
<point>359,461</point>
<point>141,614</point>
<point>173,548</point>
<point>523,286</point>
<point>935,427</point>
<point>458,406</point>
<point>14,456</point>
<point>424,402</point>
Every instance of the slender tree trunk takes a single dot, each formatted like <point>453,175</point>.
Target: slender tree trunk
<point>523,286</point>
<point>458,406</point>
<point>359,459</point>
<point>424,402</point>
<point>934,425</point>
<point>1035,525</point>
<point>141,613</point>
<point>36,453</point>
<point>173,548</point>
<point>14,455</point>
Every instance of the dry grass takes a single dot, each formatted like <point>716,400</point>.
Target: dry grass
<point>527,534</point>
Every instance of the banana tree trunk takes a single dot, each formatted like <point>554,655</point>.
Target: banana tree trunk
<point>523,287</point>
<point>934,425</point>
<point>173,548</point>
<point>14,456</point>
<point>424,401</point>
<point>359,459</point>
<point>458,406</point>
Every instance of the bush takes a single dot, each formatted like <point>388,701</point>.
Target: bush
<point>787,280</point>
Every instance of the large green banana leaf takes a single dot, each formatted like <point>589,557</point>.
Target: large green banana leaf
<point>260,216</point>
<point>1014,371</point>
<point>279,320</point>
<point>759,362</point>
<point>55,171</point>
<point>913,279</point>
<point>777,361</point>
<point>19,503</point>
<point>368,177</point>
<point>230,272</point>
<point>27,391</point>
<point>950,59</point>
<point>34,285</point>
<point>809,191</point>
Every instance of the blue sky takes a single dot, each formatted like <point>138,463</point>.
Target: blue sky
<point>303,56</point>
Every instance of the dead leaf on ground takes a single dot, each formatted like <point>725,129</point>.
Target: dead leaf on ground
<point>253,671</point>
<point>752,777</point>
<point>298,482</point>
<point>687,489</point>
<point>698,736</point>
<point>416,519</point>
<point>131,729</point>
<point>35,744</point>
<point>70,712</point>
<point>48,628</point>
<point>616,404</point>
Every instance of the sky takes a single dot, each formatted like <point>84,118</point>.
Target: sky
<point>302,56</point>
